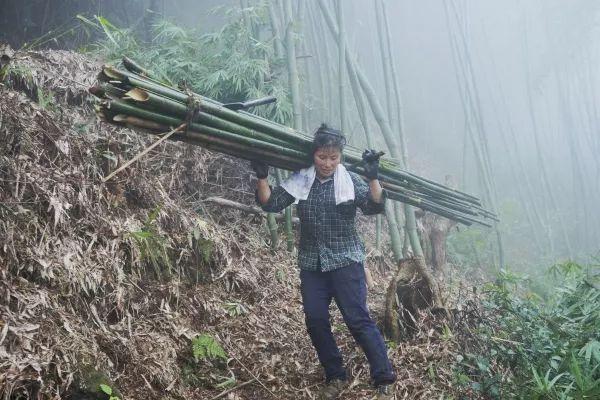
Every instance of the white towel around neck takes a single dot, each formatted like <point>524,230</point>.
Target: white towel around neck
<point>300,182</point>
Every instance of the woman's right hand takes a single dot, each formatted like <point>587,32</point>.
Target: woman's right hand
<point>260,169</point>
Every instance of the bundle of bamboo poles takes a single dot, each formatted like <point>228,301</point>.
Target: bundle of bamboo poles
<point>131,97</point>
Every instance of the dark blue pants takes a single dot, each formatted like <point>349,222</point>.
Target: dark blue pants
<point>348,287</point>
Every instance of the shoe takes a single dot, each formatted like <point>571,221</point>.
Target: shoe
<point>332,389</point>
<point>385,392</point>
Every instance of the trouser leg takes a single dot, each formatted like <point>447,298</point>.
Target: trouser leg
<point>350,293</point>
<point>316,297</point>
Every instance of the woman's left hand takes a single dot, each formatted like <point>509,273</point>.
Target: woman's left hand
<point>371,164</point>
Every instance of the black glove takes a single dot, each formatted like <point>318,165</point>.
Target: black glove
<point>371,164</point>
<point>260,168</point>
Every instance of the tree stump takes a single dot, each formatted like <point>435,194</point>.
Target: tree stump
<point>412,289</point>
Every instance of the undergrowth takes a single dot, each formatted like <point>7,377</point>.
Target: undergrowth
<point>538,345</point>
<point>235,63</point>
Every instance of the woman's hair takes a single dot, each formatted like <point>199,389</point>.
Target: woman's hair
<point>328,137</point>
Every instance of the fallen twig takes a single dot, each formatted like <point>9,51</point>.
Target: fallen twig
<point>249,371</point>
<point>244,207</point>
<point>143,152</point>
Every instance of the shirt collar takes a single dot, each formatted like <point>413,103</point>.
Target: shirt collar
<point>324,180</point>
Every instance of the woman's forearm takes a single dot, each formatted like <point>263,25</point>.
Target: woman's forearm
<point>376,190</point>
<point>264,191</point>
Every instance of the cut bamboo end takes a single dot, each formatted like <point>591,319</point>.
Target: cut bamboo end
<point>137,94</point>
<point>113,73</point>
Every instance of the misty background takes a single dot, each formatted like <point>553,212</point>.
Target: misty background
<point>521,75</point>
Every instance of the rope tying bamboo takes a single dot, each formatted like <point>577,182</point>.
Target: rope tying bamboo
<point>193,103</point>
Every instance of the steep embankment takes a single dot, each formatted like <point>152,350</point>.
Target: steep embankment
<point>112,281</point>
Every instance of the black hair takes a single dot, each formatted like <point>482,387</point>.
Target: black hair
<point>326,136</point>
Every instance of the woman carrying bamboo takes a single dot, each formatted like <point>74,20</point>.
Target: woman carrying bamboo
<point>331,254</point>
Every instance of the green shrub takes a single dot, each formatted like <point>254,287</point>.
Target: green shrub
<point>549,342</point>
<point>233,64</point>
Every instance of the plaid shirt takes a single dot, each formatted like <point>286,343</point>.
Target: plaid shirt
<point>328,236</point>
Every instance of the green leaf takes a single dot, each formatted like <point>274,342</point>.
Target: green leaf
<point>87,21</point>
<point>206,347</point>
<point>106,389</point>
<point>227,383</point>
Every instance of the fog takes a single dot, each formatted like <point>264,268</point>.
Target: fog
<point>513,81</point>
<point>546,48</point>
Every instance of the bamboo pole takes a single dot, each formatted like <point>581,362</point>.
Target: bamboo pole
<point>154,102</point>
<point>399,108</point>
<point>151,105</point>
<point>393,228</point>
<point>245,208</point>
<point>289,232</point>
<point>319,63</point>
<point>341,65</point>
<point>352,155</point>
<point>395,113</point>
<point>472,110</point>
<point>200,138</point>
<point>538,149</point>
<point>294,82</point>
<point>385,62</point>
<point>327,66</point>
<point>144,152</point>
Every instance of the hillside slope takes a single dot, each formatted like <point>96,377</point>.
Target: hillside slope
<point>112,281</point>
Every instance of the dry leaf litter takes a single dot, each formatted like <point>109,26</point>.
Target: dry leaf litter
<point>118,277</point>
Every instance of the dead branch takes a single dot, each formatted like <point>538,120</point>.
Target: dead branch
<point>245,208</point>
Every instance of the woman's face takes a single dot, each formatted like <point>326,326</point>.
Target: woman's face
<point>326,160</point>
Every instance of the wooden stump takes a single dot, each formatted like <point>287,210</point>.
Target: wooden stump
<point>412,289</point>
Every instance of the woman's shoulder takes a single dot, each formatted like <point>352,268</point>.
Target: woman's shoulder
<point>356,178</point>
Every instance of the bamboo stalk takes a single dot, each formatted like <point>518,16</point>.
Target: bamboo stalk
<point>289,232</point>
<point>290,47</point>
<point>240,150</point>
<point>212,143</point>
<point>341,64</point>
<point>235,149</point>
<point>151,101</point>
<point>122,107</point>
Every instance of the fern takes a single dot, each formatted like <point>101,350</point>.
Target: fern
<point>206,347</point>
